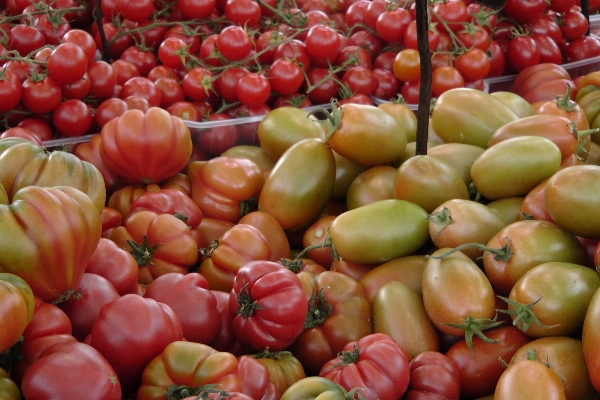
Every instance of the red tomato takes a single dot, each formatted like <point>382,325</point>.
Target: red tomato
<point>67,63</point>
<point>375,363</point>
<point>433,374</point>
<point>234,43</point>
<point>522,52</point>
<point>116,265</point>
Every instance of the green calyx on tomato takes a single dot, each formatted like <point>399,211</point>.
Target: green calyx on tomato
<point>523,313</point>
<point>141,252</point>
<point>178,392</point>
<point>319,310</point>
<point>333,118</point>
<point>441,219</point>
<point>247,304</point>
<point>476,326</point>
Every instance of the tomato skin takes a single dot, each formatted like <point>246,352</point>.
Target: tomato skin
<point>528,172</point>
<point>116,265</point>
<point>433,374</point>
<point>80,364</point>
<point>325,336</point>
<point>313,387</point>
<point>309,164</point>
<point>480,370</point>
<point>156,320</point>
<point>379,240</point>
<point>517,380</point>
<point>13,311</point>
<point>563,355</point>
<point>169,201</point>
<point>561,306</point>
<point>149,133</point>
<point>225,187</point>
<point>273,232</point>
<point>532,243</point>
<point>268,304</point>
<point>8,387</point>
<point>398,311</point>
<point>559,197</point>
<point>379,367</point>
<point>453,123</point>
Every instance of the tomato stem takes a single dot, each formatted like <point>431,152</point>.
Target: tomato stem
<point>318,310</point>
<point>523,314</point>
<point>502,254</point>
<point>247,304</point>
<point>178,392</point>
<point>476,326</point>
<point>441,219</point>
<point>142,252</point>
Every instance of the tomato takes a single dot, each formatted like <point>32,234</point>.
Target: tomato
<point>41,96</point>
<point>522,52</point>
<point>150,133</point>
<point>479,367</point>
<point>565,356</point>
<point>469,116</point>
<point>116,334</point>
<point>374,363</point>
<point>530,243</point>
<point>116,265</point>
<point>320,85</point>
<point>17,308</point>
<point>8,387</point>
<point>234,43</point>
<point>431,374</point>
<point>269,305</point>
<point>313,387</point>
<point>284,368</point>
<point>355,242</point>
<point>338,313</point>
<point>524,11</point>
<point>559,198</point>
<point>137,12</point>
<point>428,182</point>
<point>225,256</point>
<point>279,196</point>
<point>67,63</point>
<point>391,24</point>
<point>517,380</point>
<point>225,187</point>
<point>273,232</point>
<point>72,118</point>
<point>178,291</point>
<point>473,65</point>
<point>373,184</point>
<point>82,365</point>
<point>10,90</point>
<point>219,138</point>
<point>398,311</point>
<point>169,201</point>
<point>490,178</point>
<point>543,305</point>
<point>160,243</point>
<point>22,133</point>
<point>322,42</point>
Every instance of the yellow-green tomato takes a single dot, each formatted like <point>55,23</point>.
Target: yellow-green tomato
<point>314,388</point>
<point>379,232</point>
<point>572,199</point>
<point>465,115</point>
<point>284,126</point>
<point>252,153</point>
<point>428,182</point>
<point>346,171</point>
<point>300,184</point>
<point>515,166</point>
<point>398,311</point>
<point>516,103</point>
<point>508,208</point>
<point>376,183</point>
<point>459,156</point>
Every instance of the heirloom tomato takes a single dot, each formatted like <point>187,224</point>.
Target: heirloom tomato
<point>314,387</point>
<point>428,182</point>
<point>379,231</point>
<point>338,313</point>
<point>529,379</point>
<point>226,188</point>
<point>50,257</point>
<point>543,82</point>
<point>122,198</point>
<point>479,366</point>
<point>23,163</point>
<point>225,256</point>
<point>364,134</point>
<point>16,309</point>
<point>522,245</point>
<point>535,158</point>
<point>169,201</point>
<point>191,300</point>
<point>129,332</point>
<point>469,116</point>
<point>563,355</point>
<point>398,312</point>
<point>160,243</point>
<point>375,364</point>
<point>256,380</point>
<point>571,198</point>
<point>268,304</point>
<point>433,376</point>
<point>299,185</point>
<point>115,264</point>
<point>187,365</point>
<point>551,299</point>
<point>90,151</point>
<point>149,133</point>
<point>284,368</point>
<point>448,280</point>
<point>272,231</point>
<point>68,370</point>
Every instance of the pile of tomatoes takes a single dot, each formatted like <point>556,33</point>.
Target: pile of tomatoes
<point>309,253</point>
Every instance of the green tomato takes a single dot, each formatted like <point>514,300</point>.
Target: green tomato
<point>380,231</point>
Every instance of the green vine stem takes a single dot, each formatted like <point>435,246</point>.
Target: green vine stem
<point>502,254</point>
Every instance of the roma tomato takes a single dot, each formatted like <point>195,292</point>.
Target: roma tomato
<point>160,243</point>
<point>370,234</point>
<point>129,332</point>
<point>309,164</point>
<point>149,133</point>
<point>373,184</point>
<point>268,304</point>
<point>338,314</point>
<point>224,187</point>
<point>398,312</point>
<point>375,364</point>
<point>433,374</point>
<point>29,227</point>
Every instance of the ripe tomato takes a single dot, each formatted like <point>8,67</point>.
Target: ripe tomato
<point>17,308</point>
<point>115,264</point>
<point>41,96</point>
<point>524,11</point>
<point>234,43</point>
<point>67,63</point>
<point>72,118</point>
<point>522,52</point>
<point>10,90</point>
<point>445,78</point>
<point>253,89</point>
<point>473,65</point>
<point>517,380</point>
<point>433,373</point>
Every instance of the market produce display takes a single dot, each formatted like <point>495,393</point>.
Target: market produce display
<point>205,199</point>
